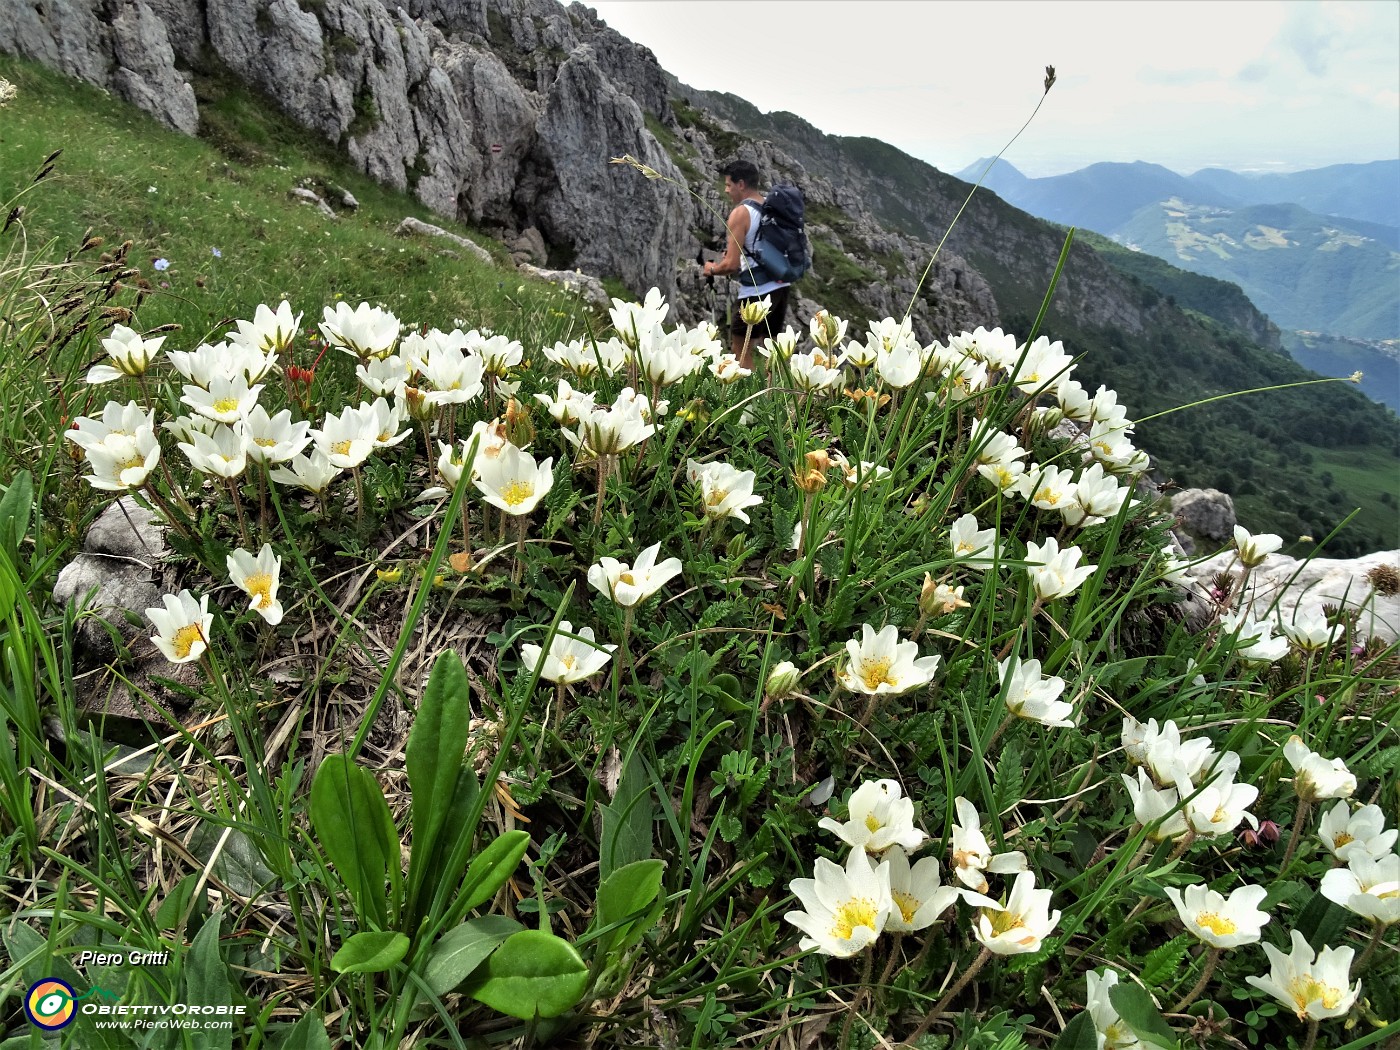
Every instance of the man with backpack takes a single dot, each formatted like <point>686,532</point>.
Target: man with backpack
<point>766,247</point>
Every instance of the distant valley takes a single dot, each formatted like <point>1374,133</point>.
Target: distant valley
<point>1317,251</point>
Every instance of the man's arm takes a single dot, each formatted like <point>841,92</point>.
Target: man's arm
<point>738,226</point>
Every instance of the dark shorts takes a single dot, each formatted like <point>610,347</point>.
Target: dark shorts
<point>771,325</point>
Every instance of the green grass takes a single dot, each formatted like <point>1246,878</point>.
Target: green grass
<point>121,176</point>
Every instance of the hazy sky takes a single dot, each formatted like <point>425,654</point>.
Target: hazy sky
<point>1254,85</point>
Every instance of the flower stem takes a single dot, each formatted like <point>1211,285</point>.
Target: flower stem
<point>602,488</point>
<point>1000,729</point>
<point>1371,946</point>
<point>1212,958</point>
<point>1299,815</point>
<point>942,1004</point>
<point>519,549</point>
<point>238,510</point>
<point>858,998</point>
<point>1312,1034</point>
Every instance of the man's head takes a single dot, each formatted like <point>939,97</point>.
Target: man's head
<point>740,179</point>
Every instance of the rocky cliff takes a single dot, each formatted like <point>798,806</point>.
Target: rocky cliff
<point>504,114</point>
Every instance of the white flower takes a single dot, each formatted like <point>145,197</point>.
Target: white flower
<point>1113,1032</point>
<point>844,909</point>
<point>1097,497</point>
<point>1310,632</point>
<point>513,481</point>
<point>383,420</point>
<point>1043,364</point>
<point>130,355</point>
<point>879,818</point>
<point>1030,696</point>
<point>270,332</point>
<point>182,627</point>
<point>972,853</point>
<point>726,369</point>
<point>1346,835</point>
<point>274,439</point>
<point>1174,569</point>
<point>1021,924</point>
<point>1055,573</point>
<point>633,319</point>
<point>1313,988</point>
<point>783,345</point>
<point>313,472</point>
<point>782,681</point>
<point>1166,755</point>
<point>1314,777</point>
<point>663,359</point>
<point>1254,640</point>
<point>610,431</point>
<point>977,548</point>
<point>1151,803</point>
<point>1219,921</point>
<point>1217,808</point>
<point>348,439</point>
<point>365,331</point>
<point>569,659</point>
<point>1073,400</point>
<point>725,491</point>
<point>860,355</point>
<point>383,376</point>
<point>223,453</point>
<point>900,365</point>
<point>121,463</point>
<point>996,348</point>
<point>230,361</point>
<point>631,585</point>
<point>584,359</point>
<point>258,578</point>
<point>498,354</point>
<point>225,401</point>
<point>813,372</point>
<point>1368,886</point>
<point>117,420</point>
<point>569,406</point>
<point>1254,549</point>
<point>919,895</point>
<point>880,664</point>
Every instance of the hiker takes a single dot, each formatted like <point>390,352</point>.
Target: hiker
<point>741,187</point>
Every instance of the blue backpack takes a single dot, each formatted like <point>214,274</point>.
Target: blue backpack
<point>780,244</point>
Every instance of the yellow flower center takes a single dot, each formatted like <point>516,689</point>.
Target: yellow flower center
<point>627,578</point>
<point>907,904</point>
<point>137,460</point>
<point>1307,989</point>
<point>716,497</point>
<point>875,672</point>
<point>873,823</point>
<point>341,448</point>
<point>1006,921</point>
<point>1342,839</point>
<point>265,442</point>
<point>225,405</point>
<point>185,638</point>
<point>259,588</point>
<point>858,911</point>
<point>517,492</point>
<point>568,660</point>
<point>1048,495</point>
<point>1216,924</point>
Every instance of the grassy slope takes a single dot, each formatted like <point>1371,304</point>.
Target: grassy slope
<point>228,190</point>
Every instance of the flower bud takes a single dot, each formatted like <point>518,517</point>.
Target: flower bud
<point>519,430</point>
<point>418,405</point>
<point>827,330</point>
<point>754,310</point>
<point>782,681</point>
<point>939,599</point>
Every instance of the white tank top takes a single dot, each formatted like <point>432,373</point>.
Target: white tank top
<point>746,292</point>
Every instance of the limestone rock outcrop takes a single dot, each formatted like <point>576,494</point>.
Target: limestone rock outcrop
<point>504,114</point>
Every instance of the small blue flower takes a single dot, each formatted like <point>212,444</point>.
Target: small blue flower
<point>216,253</point>
<point>161,264</point>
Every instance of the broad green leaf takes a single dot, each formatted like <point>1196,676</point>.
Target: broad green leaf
<point>370,951</point>
<point>15,508</point>
<point>1135,1007</point>
<point>624,897</point>
<point>532,973</point>
<point>206,978</point>
<point>1322,921</point>
<point>309,1033</point>
<point>1079,1034</point>
<point>173,907</point>
<point>461,950</point>
<point>20,941</point>
<point>353,824</point>
<point>491,867</point>
<point>627,820</point>
<point>434,762</point>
